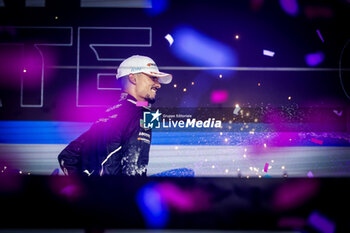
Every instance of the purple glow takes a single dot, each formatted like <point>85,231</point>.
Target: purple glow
<point>266,167</point>
<point>321,223</point>
<point>292,222</point>
<point>219,96</point>
<point>152,206</point>
<point>320,35</point>
<point>338,113</point>
<point>256,5</point>
<point>184,200</point>
<point>314,59</point>
<point>294,193</point>
<point>312,12</point>
<point>290,7</point>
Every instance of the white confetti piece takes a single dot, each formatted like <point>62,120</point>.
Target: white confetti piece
<point>338,113</point>
<point>236,110</point>
<point>268,53</point>
<point>170,39</point>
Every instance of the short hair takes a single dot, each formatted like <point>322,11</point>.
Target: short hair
<point>124,81</point>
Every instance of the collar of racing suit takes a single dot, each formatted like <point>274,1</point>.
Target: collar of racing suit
<point>132,99</point>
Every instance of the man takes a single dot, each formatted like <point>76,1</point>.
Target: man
<point>117,144</point>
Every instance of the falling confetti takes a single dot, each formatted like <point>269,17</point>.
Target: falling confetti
<point>236,110</point>
<point>319,35</point>
<point>321,223</point>
<point>314,59</point>
<point>219,96</point>
<point>310,175</point>
<point>268,53</point>
<point>320,142</point>
<point>266,167</point>
<point>170,39</point>
<point>338,113</point>
<point>290,7</point>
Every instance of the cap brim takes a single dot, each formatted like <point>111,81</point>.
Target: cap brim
<point>163,78</point>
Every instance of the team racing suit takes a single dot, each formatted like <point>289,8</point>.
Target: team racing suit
<point>116,144</point>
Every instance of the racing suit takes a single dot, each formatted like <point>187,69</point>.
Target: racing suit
<point>116,144</point>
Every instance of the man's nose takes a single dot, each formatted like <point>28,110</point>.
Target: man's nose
<point>156,82</point>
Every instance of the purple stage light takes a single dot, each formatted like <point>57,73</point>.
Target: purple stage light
<point>314,59</point>
<point>219,96</point>
<point>290,7</point>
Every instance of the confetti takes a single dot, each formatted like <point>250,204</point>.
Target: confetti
<point>236,110</point>
<point>320,142</point>
<point>268,53</point>
<point>321,223</point>
<point>314,59</point>
<point>141,103</point>
<point>266,167</point>
<point>338,113</point>
<point>170,39</point>
<point>310,175</point>
<point>290,7</point>
<point>319,35</point>
<point>219,96</point>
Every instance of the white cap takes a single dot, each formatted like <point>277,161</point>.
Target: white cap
<point>142,64</point>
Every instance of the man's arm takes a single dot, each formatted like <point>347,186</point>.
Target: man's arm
<point>70,158</point>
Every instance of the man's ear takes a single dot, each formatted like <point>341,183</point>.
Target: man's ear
<point>132,78</point>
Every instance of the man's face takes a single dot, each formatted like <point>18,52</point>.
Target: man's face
<point>146,87</point>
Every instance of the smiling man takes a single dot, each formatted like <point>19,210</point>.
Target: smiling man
<point>117,144</point>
